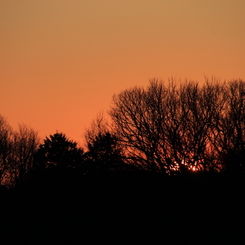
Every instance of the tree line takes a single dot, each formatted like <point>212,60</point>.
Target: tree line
<point>168,127</point>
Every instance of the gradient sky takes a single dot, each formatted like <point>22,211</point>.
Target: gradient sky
<point>61,61</point>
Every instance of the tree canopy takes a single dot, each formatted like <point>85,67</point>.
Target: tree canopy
<point>168,127</point>
<point>58,151</point>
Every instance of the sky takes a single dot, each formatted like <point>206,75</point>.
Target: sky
<point>61,61</point>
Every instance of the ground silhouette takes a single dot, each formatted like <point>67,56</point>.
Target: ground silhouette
<point>137,207</point>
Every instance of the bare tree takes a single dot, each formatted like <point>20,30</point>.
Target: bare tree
<point>201,107</point>
<point>98,126</point>
<point>173,126</point>
<point>233,127</point>
<point>5,148</point>
<point>139,116</point>
<point>25,142</point>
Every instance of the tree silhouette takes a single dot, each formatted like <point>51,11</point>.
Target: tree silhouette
<point>5,148</point>
<point>175,126</point>
<point>25,143</point>
<point>232,133</point>
<point>59,152</point>
<point>104,153</point>
<point>17,150</point>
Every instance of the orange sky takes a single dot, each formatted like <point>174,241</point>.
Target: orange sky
<point>61,61</point>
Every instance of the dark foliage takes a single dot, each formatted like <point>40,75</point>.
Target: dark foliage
<point>104,153</point>
<point>59,152</point>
